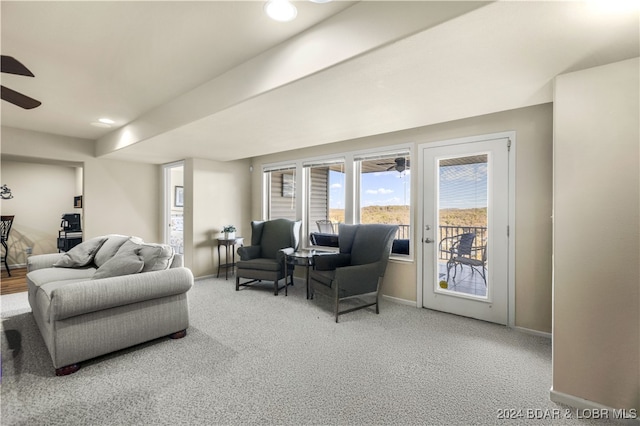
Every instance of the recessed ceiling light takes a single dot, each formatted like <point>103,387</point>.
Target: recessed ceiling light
<point>101,125</point>
<point>320,1</point>
<point>281,10</point>
<point>106,120</point>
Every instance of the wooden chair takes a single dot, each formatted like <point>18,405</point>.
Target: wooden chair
<point>5,229</point>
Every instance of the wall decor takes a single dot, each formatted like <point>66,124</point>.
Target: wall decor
<point>288,185</point>
<point>178,199</point>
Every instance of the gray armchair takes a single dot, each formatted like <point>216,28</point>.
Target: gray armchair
<point>358,268</point>
<point>264,259</point>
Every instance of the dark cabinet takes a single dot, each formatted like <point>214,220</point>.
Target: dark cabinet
<point>68,239</point>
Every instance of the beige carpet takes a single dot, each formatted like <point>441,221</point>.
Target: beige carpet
<point>253,358</point>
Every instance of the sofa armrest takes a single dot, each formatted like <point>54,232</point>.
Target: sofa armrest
<point>95,295</point>
<point>41,261</point>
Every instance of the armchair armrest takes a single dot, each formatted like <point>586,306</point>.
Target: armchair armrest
<point>329,262</point>
<point>280,255</point>
<point>357,279</point>
<point>41,261</point>
<point>249,252</point>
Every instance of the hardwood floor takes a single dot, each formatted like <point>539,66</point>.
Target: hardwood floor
<point>15,283</point>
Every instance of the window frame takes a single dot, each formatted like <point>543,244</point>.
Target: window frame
<point>307,165</point>
<point>352,170</point>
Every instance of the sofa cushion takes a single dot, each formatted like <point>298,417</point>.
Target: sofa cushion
<point>109,248</point>
<point>82,254</point>
<point>162,260</point>
<point>40,277</point>
<point>157,257</point>
<point>126,261</point>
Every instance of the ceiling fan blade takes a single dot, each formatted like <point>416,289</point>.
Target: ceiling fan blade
<point>11,65</point>
<point>23,101</point>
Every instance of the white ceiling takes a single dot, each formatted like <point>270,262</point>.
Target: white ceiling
<point>220,80</point>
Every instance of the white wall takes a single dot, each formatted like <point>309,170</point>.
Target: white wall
<point>533,127</point>
<point>596,288</point>
<point>119,196</point>
<point>216,194</point>
<point>42,194</point>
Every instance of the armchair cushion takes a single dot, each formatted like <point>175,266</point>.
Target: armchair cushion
<point>275,236</point>
<point>261,264</point>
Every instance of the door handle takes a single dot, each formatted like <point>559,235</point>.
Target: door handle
<point>428,240</point>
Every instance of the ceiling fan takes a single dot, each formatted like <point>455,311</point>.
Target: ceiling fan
<point>11,65</point>
<point>400,164</point>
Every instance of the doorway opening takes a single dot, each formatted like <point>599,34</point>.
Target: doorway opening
<point>173,228</point>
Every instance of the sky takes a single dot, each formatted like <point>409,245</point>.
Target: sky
<point>378,189</point>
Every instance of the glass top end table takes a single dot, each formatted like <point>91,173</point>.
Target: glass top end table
<point>303,258</point>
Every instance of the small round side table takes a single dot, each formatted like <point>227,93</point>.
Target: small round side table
<point>230,261</point>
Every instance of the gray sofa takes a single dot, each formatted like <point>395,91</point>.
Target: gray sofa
<point>107,294</point>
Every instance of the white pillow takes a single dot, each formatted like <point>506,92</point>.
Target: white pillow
<point>125,262</point>
<point>157,257</point>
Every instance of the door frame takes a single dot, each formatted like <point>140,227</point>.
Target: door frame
<point>166,196</point>
<point>511,135</point>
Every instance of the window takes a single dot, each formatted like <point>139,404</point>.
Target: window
<point>385,193</point>
<point>371,187</point>
<point>326,201</point>
<point>280,192</point>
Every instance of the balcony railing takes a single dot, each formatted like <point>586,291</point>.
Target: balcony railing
<point>448,231</point>
<point>445,232</point>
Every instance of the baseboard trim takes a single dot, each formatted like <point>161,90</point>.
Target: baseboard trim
<point>16,266</point>
<point>587,409</point>
<point>534,332</point>
<point>204,277</point>
<point>399,300</point>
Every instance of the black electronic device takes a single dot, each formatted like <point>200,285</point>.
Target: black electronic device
<point>71,222</point>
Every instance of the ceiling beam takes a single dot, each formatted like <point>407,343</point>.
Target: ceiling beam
<point>357,30</point>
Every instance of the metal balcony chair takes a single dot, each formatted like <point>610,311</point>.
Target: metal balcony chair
<point>5,229</point>
<point>463,252</point>
<point>325,227</point>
